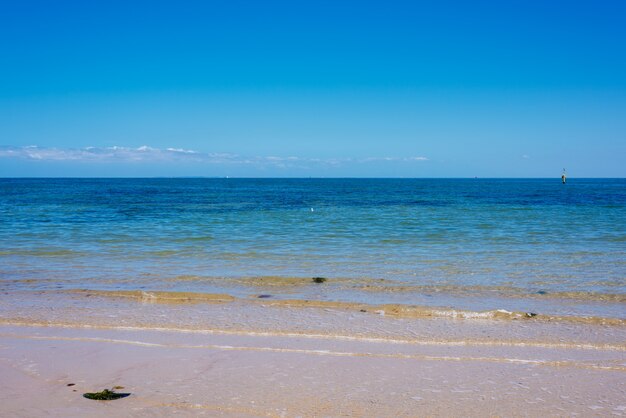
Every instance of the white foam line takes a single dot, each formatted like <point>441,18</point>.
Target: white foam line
<point>453,343</point>
<point>319,352</point>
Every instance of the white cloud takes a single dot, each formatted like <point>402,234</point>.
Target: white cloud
<point>394,159</point>
<point>146,153</point>
<point>184,151</point>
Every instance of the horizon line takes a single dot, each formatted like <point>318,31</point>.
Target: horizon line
<point>301,178</point>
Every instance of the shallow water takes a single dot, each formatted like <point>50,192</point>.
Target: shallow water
<point>474,244</point>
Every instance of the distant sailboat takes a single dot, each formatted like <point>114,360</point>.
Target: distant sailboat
<point>563,176</point>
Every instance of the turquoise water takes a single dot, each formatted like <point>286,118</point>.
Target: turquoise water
<point>476,243</point>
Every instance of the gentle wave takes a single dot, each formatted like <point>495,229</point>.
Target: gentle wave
<point>393,310</point>
<point>160,296</point>
<point>373,285</point>
<point>42,252</point>
<point>333,353</point>
<point>492,342</point>
<point>501,291</point>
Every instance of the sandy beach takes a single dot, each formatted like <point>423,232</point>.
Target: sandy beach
<point>216,357</point>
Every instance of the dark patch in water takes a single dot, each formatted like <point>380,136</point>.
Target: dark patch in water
<point>264,296</point>
<point>319,279</point>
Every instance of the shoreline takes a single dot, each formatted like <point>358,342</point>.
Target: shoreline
<point>444,299</point>
<point>234,357</point>
<point>399,310</point>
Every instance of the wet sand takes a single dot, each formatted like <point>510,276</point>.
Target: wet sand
<point>227,357</point>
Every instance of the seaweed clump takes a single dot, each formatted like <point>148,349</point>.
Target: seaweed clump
<point>319,279</point>
<point>105,395</point>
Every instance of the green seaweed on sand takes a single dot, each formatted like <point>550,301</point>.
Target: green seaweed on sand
<point>105,395</point>
<point>319,279</point>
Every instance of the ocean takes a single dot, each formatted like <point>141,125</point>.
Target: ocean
<point>531,245</point>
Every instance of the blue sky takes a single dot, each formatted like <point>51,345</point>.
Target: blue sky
<point>324,88</point>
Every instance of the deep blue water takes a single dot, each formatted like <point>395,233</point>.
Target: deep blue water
<point>529,235</point>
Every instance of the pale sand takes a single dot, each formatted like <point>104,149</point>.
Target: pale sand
<point>250,359</point>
